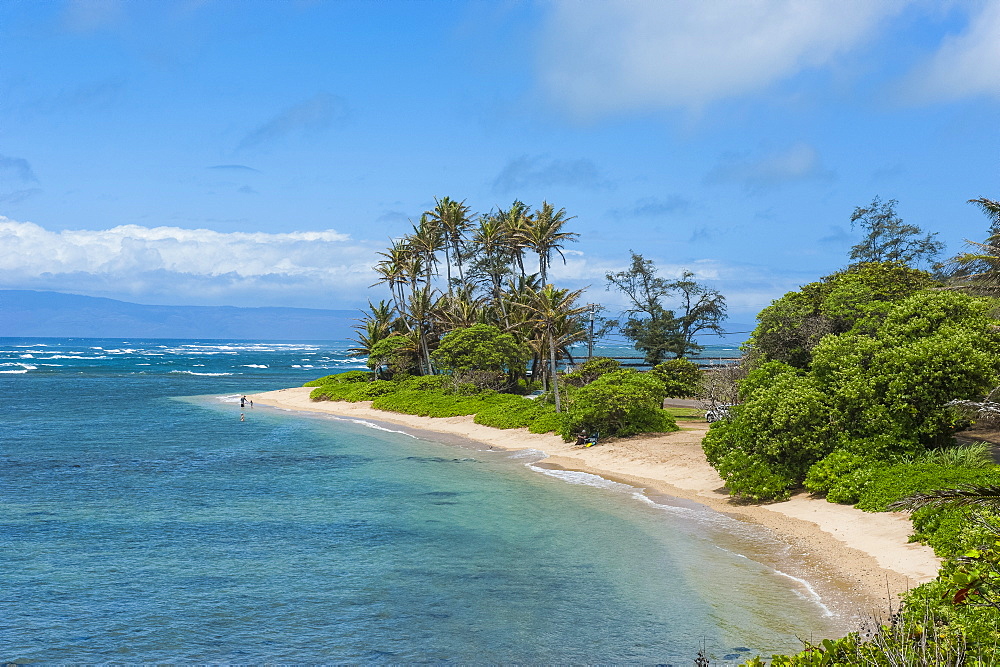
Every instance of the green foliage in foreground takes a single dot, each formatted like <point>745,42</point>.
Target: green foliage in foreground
<point>591,370</point>
<point>877,391</point>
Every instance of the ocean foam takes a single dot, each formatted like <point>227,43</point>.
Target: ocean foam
<point>810,594</point>
<point>583,478</point>
<point>208,374</point>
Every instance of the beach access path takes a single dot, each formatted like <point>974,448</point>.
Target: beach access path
<point>865,555</point>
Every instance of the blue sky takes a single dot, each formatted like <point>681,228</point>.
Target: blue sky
<point>260,153</point>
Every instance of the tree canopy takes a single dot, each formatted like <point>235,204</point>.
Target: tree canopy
<point>650,325</point>
<point>877,390</point>
<point>889,239</point>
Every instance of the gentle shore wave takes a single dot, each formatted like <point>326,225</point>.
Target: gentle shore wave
<point>864,556</point>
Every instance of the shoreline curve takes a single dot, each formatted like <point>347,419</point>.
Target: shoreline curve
<point>865,556</point>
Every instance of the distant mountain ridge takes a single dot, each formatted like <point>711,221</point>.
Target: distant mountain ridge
<point>27,313</point>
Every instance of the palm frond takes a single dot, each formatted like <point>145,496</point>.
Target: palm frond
<point>964,496</point>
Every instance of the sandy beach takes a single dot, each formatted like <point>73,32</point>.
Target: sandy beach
<point>865,556</point>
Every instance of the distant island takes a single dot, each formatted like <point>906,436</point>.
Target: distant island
<point>27,313</point>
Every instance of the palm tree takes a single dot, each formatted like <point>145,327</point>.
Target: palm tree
<point>426,240</point>
<point>515,222</point>
<point>555,313</point>
<point>391,270</point>
<point>991,207</point>
<point>544,235</point>
<point>454,220</point>
<point>421,308</point>
<point>493,255</point>
<point>376,325</point>
<point>459,310</point>
<point>964,496</point>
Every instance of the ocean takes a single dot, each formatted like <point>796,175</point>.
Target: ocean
<point>142,521</point>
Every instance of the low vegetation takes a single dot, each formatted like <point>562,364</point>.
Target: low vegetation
<point>602,398</point>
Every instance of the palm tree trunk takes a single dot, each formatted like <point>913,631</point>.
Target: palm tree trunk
<point>458,262</point>
<point>427,353</point>
<point>552,360</point>
<point>447,263</point>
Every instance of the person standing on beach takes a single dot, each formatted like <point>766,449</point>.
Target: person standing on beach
<point>243,402</point>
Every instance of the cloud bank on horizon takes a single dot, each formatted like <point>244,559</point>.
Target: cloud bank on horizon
<point>186,266</point>
<point>202,153</point>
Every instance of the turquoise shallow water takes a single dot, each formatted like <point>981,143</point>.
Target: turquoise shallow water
<point>141,521</point>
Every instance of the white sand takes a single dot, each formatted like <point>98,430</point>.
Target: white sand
<point>866,555</point>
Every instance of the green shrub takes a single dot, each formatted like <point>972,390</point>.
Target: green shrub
<point>346,376</point>
<point>483,355</point>
<point>848,489</point>
<point>828,471</point>
<point>953,530</point>
<point>547,423</point>
<point>429,403</point>
<point>511,412</point>
<point>424,382</point>
<point>901,480</point>
<point>972,455</point>
<point>749,477</point>
<point>353,391</point>
<point>620,403</point>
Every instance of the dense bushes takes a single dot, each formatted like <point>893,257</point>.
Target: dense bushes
<point>619,403</point>
<point>514,412</point>
<point>792,326</point>
<point>848,399</point>
<point>483,355</point>
<point>877,391</point>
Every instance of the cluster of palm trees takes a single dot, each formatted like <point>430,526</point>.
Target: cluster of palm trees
<point>485,281</point>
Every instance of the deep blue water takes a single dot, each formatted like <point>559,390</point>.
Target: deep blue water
<point>141,521</point>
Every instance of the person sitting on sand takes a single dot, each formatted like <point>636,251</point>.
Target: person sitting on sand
<point>581,437</point>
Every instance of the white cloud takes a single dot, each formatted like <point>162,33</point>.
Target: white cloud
<point>189,266</point>
<point>965,65</point>
<point>598,58</point>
